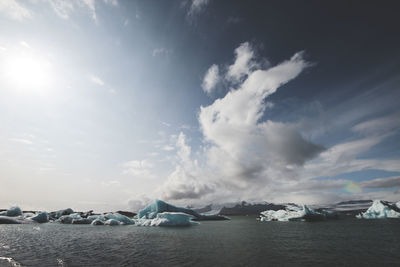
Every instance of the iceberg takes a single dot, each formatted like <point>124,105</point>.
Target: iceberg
<point>122,219</point>
<point>8,220</point>
<point>296,213</point>
<point>112,222</point>
<point>97,222</point>
<point>59,213</point>
<point>41,217</point>
<point>159,206</point>
<point>381,209</point>
<point>68,219</point>
<point>12,212</point>
<point>168,219</point>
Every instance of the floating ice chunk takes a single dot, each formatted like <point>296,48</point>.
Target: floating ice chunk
<point>67,219</point>
<point>41,217</point>
<point>12,212</point>
<point>8,220</point>
<point>111,222</point>
<point>296,213</point>
<point>97,222</point>
<point>60,213</point>
<point>167,219</point>
<point>120,218</point>
<point>381,210</point>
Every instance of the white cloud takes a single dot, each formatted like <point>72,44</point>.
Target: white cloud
<point>111,2</point>
<point>96,80</point>
<point>91,6</point>
<point>382,182</point>
<point>184,182</point>
<point>168,148</point>
<point>242,148</point>
<point>211,79</point>
<point>22,141</point>
<point>380,125</point>
<point>14,10</point>
<point>64,8</point>
<point>244,63</point>
<point>197,6</point>
<point>138,168</point>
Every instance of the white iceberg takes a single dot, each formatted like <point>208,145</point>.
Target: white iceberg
<point>296,213</point>
<point>112,222</point>
<point>381,210</point>
<point>97,222</point>
<point>168,219</point>
<point>122,219</point>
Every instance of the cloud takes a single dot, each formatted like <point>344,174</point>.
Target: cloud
<point>91,6</point>
<point>168,148</point>
<point>111,2</point>
<point>185,182</point>
<point>96,80</point>
<point>22,141</point>
<point>211,79</point>
<point>139,203</point>
<point>197,6</point>
<point>244,63</point>
<point>382,182</point>
<point>242,147</point>
<point>182,185</point>
<point>14,10</point>
<point>64,8</point>
<point>378,126</point>
<point>138,168</point>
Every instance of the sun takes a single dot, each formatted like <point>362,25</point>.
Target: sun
<point>28,72</point>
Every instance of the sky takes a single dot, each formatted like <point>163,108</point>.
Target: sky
<point>110,104</point>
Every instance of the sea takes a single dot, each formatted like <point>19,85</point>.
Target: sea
<point>241,241</point>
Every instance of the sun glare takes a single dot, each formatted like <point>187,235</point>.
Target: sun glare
<point>28,72</point>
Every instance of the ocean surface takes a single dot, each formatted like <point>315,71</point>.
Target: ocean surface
<point>242,241</point>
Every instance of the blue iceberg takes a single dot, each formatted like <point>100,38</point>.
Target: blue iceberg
<point>41,217</point>
<point>159,206</point>
<point>12,212</point>
<point>381,210</point>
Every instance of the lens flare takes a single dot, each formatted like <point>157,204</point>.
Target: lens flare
<point>352,188</point>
